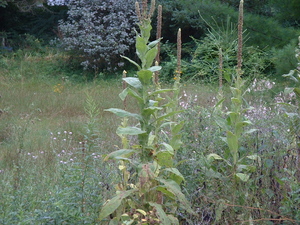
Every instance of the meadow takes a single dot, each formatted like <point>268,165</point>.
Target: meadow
<point>54,135</point>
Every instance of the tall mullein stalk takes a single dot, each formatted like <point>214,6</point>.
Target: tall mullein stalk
<point>124,86</point>
<point>152,193</point>
<point>220,69</point>
<point>158,36</point>
<point>179,43</point>
<point>240,40</point>
<point>178,70</point>
<point>220,96</point>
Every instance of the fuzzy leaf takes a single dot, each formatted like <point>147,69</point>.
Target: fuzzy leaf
<point>243,177</point>
<point>133,81</point>
<point>130,130</point>
<point>123,113</point>
<point>145,76</point>
<point>168,148</point>
<point>124,94</point>
<point>153,43</point>
<point>110,206</point>
<point>164,158</point>
<point>120,153</point>
<point>141,47</point>
<point>175,175</point>
<point>149,111</point>
<point>135,95</point>
<point>133,62</point>
<point>233,145</point>
<point>150,56</point>
<point>166,193</point>
<point>176,142</point>
<point>155,68</point>
<point>173,187</point>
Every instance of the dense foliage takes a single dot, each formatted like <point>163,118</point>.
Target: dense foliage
<point>98,31</point>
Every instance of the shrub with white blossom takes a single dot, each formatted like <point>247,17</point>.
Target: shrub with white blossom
<point>98,31</point>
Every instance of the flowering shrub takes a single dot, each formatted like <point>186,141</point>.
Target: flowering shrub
<point>98,31</point>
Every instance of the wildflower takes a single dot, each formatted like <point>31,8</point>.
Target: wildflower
<point>58,88</point>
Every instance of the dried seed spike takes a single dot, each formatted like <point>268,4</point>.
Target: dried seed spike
<point>179,53</point>
<point>138,11</point>
<point>144,8</point>
<point>240,38</point>
<point>152,8</point>
<point>156,74</point>
<point>158,32</point>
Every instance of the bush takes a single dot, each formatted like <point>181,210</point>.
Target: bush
<point>284,59</point>
<point>98,31</point>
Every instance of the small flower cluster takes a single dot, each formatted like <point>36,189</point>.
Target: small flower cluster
<point>186,101</point>
<point>261,85</point>
<point>66,148</point>
<point>58,88</point>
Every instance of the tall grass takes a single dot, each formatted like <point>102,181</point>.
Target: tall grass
<point>54,132</point>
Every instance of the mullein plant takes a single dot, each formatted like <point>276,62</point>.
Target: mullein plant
<point>149,191</point>
<point>238,165</point>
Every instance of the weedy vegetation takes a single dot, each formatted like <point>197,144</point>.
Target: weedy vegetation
<point>137,150</point>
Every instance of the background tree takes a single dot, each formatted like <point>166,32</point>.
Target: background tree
<point>99,31</point>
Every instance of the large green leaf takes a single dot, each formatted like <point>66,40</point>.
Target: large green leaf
<point>169,148</point>
<point>120,153</point>
<point>177,128</point>
<point>145,29</point>
<point>124,113</point>
<point>176,142</point>
<point>141,47</point>
<point>162,216</point>
<point>145,77</point>
<point>110,206</point>
<point>149,111</point>
<point>130,130</point>
<point>153,43</point>
<point>133,62</point>
<point>175,175</point>
<point>154,68</point>
<point>233,145</point>
<point>133,81</point>
<point>164,158</point>
<point>135,95</point>
<point>173,187</point>
<point>239,127</point>
<point>242,176</point>
<point>150,56</point>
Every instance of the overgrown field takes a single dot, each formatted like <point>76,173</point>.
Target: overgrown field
<point>54,134</point>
